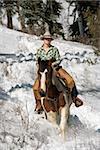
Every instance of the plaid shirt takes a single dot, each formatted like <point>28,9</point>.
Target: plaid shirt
<point>52,53</point>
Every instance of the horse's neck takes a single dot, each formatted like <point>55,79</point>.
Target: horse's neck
<point>52,90</point>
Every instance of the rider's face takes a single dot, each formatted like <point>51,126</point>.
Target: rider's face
<point>47,41</point>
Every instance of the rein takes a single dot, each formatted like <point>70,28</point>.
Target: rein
<point>51,99</point>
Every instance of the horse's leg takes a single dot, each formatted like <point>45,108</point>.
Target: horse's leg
<point>52,117</point>
<point>63,121</point>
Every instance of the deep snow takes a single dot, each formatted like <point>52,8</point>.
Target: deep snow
<point>20,127</point>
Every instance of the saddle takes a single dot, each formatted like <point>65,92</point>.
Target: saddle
<point>61,86</point>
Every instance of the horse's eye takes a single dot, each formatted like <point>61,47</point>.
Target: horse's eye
<point>41,70</point>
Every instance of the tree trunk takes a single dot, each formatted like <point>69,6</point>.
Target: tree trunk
<point>30,29</point>
<point>46,27</point>
<point>9,19</point>
<point>98,28</point>
<point>80,19</point>
<point>22,22</point>
<point>21,18</point>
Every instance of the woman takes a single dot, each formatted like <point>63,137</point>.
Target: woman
<point>47,52</point>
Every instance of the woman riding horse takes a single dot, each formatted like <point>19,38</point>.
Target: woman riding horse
<point>47,52</point>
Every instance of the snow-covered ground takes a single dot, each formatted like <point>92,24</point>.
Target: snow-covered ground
<point>20,127</point>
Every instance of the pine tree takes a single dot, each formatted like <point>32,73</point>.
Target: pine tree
<point>78,25</point>
<point>88,20</point>
<point>30,10</point>
<point>50,13</point>
<point>38,14</point>
<point>20,16</point>
<point>9,6</point>
<point>1,3</point>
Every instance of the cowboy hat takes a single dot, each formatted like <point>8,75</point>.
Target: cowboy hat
<point>47,35</point>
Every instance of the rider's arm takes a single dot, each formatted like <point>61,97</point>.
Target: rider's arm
<point>37,56</point>
<point>57,54</point>
<point>57,58</point>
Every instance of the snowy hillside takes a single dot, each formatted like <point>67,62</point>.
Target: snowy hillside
<point>20,127</point>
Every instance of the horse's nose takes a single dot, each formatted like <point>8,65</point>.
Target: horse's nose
<point>42,93</point>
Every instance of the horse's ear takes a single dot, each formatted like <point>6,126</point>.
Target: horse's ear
<point>50,61</point>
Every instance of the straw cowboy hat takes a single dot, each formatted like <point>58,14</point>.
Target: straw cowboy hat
<point>47,35</point>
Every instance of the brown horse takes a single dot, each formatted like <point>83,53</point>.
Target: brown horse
<point>55,99</point>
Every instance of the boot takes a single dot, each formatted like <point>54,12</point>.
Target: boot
<point>38,107</point>
<point>78,102</point>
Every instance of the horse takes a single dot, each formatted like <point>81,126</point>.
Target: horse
<point>55,98</point>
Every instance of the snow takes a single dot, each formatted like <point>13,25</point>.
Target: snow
<point>20,127</point>
<point>13,44</point>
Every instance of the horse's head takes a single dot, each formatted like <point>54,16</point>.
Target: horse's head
<point>45,74</point>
